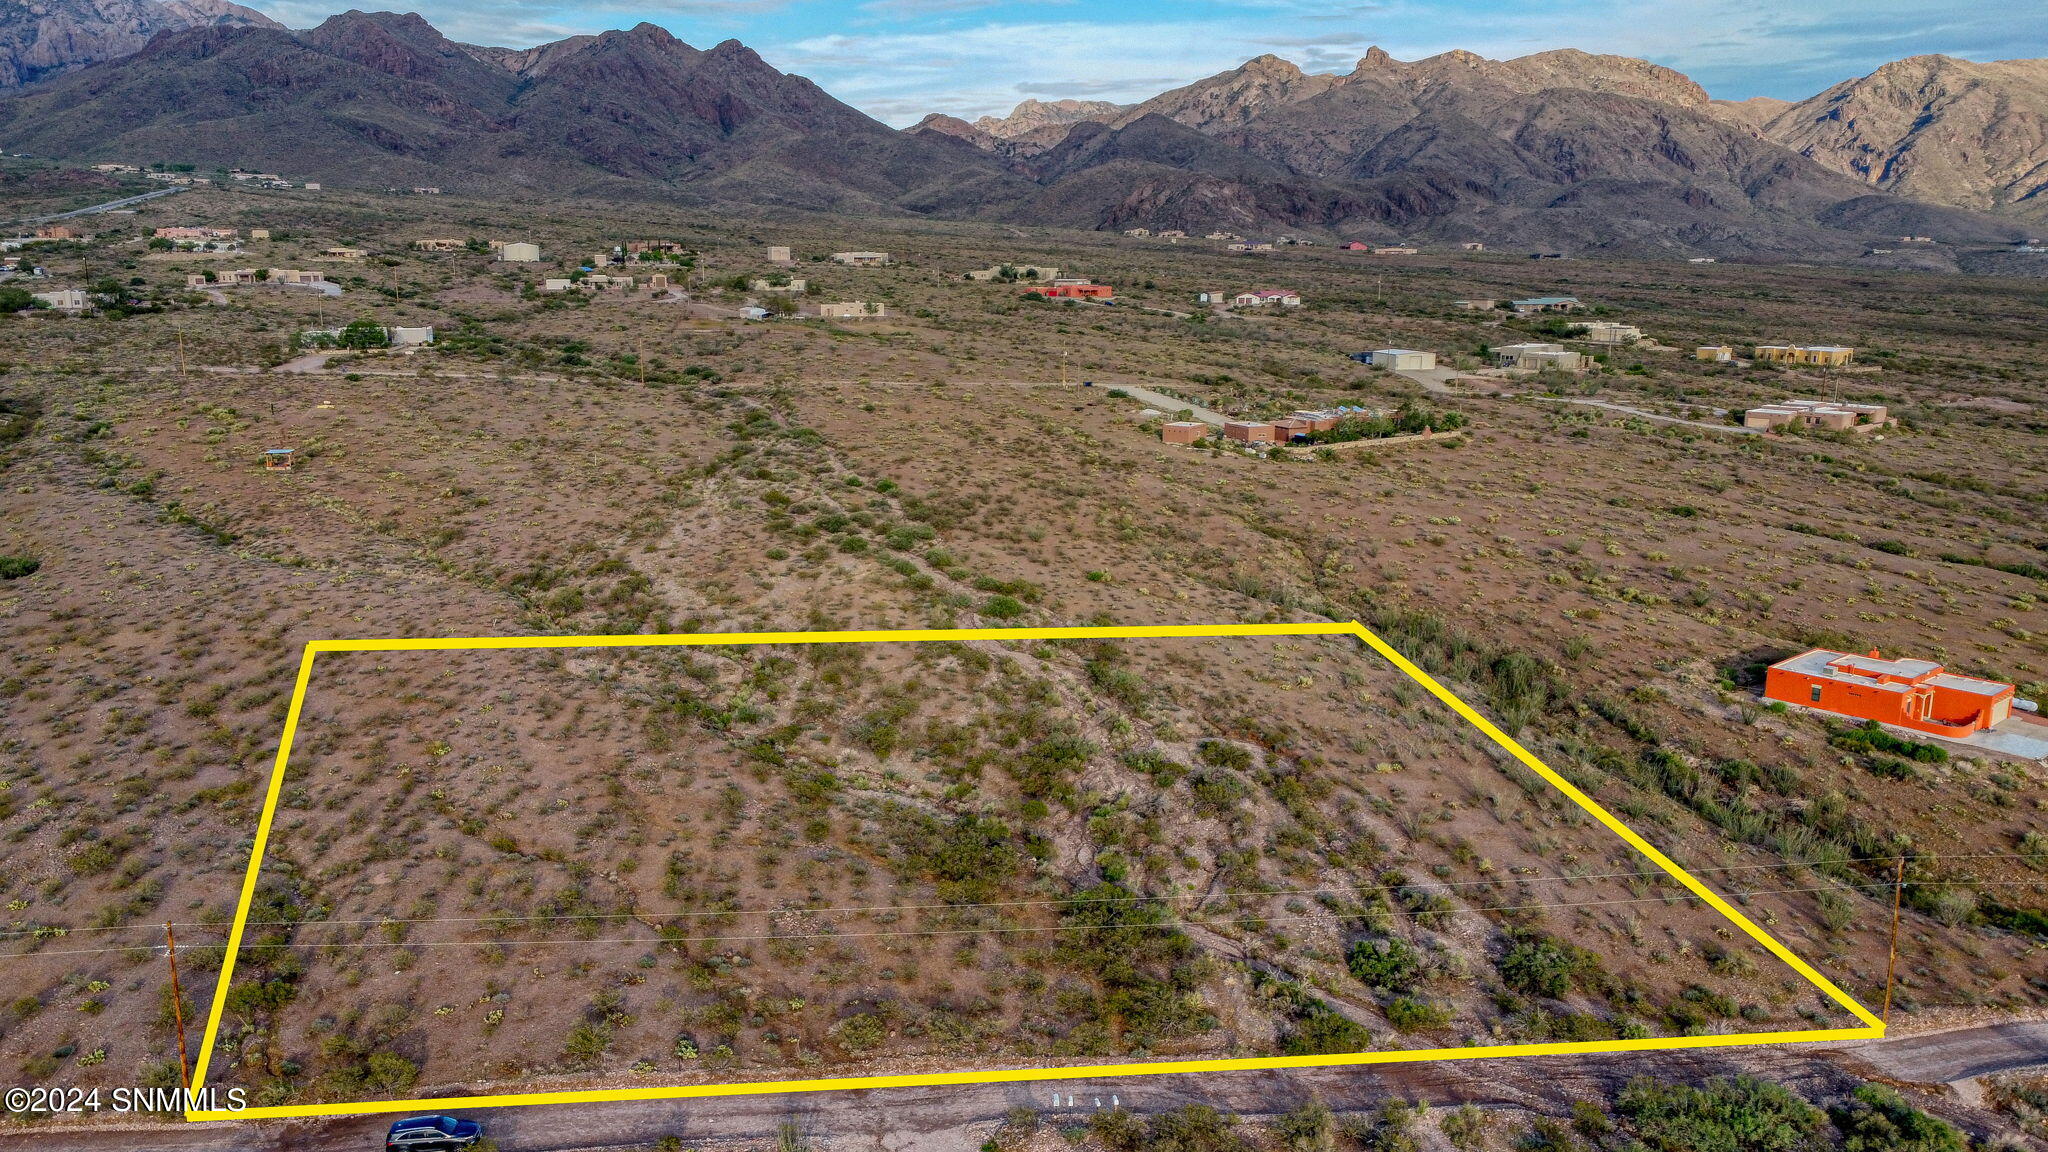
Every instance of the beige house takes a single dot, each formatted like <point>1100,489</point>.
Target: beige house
<point>1824,414</point>
<point>861,259</point>
<point>339,253</point>
<point>852,310</point>
<point>1607,332</point>
<point>1714,353</point>
<point>1812,355</point>
<point>793,287</point>
<point>518,252</point>
<point>1476,304</point>
<point>64,299</point>
<point>1534,357</point>
<point>438,244</point>
<point>779,254</point>
<point>1403,359</point>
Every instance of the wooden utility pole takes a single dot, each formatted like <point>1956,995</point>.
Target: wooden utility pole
<point>177,1006</point>
<point>640,355</point>
<point>181,353</point>
<point>1891,964</point>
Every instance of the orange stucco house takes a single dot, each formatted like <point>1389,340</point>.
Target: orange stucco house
<point>1915,694</point>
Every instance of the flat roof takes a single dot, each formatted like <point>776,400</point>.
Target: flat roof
<point>1971,684</point>
<point>1399,352</point>
<point>1877,666</point>
<point>1820,662</point>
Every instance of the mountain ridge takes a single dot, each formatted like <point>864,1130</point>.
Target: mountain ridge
<point>52,37</point>
<point>1557,149</point>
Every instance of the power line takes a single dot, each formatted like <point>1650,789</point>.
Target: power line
<point>1055,901</point>
<point>935,932</point>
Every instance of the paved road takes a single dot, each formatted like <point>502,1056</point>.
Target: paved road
<point>957,1119</point>
<point>121,203</point>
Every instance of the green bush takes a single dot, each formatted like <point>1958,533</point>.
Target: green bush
<point>1223,754</point>
<point>1739,1115</point>
<point>1871,737</point>
<point>1190,1128</point>
<point>1217,792</point>
<point>1408,1014</point>
<point>1386,964</point>
<point>1539,965</point>
<point>860,1033</point>
<point>15,567</point>
<point>1878,1119</point>
<point>1002,608</point>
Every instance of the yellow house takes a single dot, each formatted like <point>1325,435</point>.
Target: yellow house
<point>1714,353</point>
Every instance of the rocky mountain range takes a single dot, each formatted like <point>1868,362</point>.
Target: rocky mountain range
<point>384,98</point>
<point>1560,149</point>
<point>41,38</point>
<point>1934,128</point>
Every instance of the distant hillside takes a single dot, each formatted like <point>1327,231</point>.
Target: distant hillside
<point>1934,128</point>
<point>383,98</point>
<point>51,37</point>
<point>1034,115</point>
<point>1559,150</point>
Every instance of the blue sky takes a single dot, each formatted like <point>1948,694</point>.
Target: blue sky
<point>899,59</point>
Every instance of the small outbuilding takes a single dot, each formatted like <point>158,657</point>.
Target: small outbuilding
<point>1400,359</point>
<point>1183,432</point>
<point>278,459</point>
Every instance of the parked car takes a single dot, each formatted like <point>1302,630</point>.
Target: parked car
<point>438,1133</point>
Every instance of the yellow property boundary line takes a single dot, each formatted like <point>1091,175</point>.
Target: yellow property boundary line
<point>1873,1027</point>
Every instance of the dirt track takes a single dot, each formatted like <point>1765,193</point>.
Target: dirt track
<point>944,1119</point>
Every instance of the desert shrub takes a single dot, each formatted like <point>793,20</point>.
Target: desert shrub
<point>1216,792</point>
<point>1465,1128</point>
<point>1147,969</point>
<point>1046,769</point>
<point>1223,754</point>
<point>1119,684</point>
<point>861,1032</point>
<point>1316,1028</point>
<point>1388,964</point>
<point>16,567</point>
<point>1540,965</point>
<point>1163,769</point>
<point>1190,1128</point>
<point>1738,1115</point>
<point>1002,608</point>
<point>1309,1128</point>
<point>969,859</point>
<point>587,1044</point>
<point>1871,737</point>
<point>1408,1014</point>
<point>2034,850</point>
<point>1878,1119</point>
